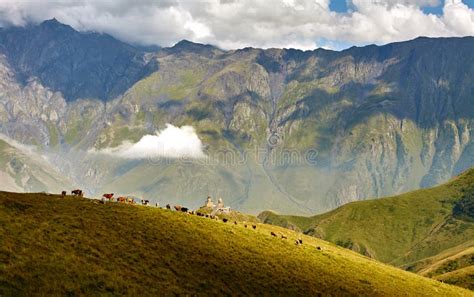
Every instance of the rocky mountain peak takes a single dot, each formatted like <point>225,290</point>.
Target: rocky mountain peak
<point>54,26</point>
<point>78,65</point>
<point>186,46</point>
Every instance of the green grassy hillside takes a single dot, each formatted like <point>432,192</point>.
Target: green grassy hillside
<point>453,266</point>
<point>72,246</point>
<point>398,230</point>
<point>447,261</point>
<point>463,277</point>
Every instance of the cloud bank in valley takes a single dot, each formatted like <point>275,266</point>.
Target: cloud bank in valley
<point>171,142</point>
<point>229,24</point>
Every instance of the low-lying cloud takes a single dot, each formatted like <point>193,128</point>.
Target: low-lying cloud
<point>171,142</point>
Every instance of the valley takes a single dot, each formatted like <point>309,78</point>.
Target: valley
<point>237,148</point>
<point>420,231</point>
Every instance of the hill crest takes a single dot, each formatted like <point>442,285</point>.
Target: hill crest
<point>70,245</point>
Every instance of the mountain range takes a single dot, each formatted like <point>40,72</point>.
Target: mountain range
<point>316,129</point>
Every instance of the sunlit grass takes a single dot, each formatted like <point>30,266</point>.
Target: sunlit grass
<point>69,246</point>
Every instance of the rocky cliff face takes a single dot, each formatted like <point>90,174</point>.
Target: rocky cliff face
<point>316,129</point>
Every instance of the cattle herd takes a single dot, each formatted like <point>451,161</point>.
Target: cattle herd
<point>109,197</point>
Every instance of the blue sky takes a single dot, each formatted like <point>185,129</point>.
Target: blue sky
<point>346,6</point>
<point>343,6</point>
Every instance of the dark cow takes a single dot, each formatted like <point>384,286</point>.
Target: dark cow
<point>184,209</point>
<point>63,194</point>
<point>273,234</point>
<point>77,192</point>
<point>245,225</point>
<point>145,202</point>
<point>318,248</point>
<point>300,241</point>
<point>235,222</point>
<point>254,226</point>
<point>225,220</point>
<point>168,206</point>
<point>283,236</point>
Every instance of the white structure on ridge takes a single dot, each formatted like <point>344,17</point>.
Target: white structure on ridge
<point>219,208</point>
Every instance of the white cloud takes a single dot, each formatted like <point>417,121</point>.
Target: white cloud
<point>458,16</point>
<point>257,23</point>
<point>171,142</point>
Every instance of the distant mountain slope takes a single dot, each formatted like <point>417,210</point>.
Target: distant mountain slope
<point>302,132</point>
<point>399,230</point>
<point>25,170</point>
<point>72,246</point>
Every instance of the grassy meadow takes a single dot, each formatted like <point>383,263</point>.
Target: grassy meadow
<point>78,247</point>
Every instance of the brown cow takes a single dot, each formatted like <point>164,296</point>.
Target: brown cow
<point>121,199</point>
<point>63,194</point>
<point>273,233</point>
<point>109,197</point>
<point>178,207</point>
